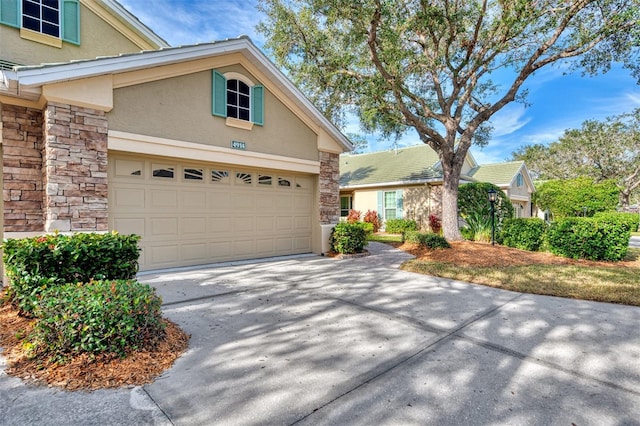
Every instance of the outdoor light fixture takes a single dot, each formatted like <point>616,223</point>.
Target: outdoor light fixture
<point>493,196</point>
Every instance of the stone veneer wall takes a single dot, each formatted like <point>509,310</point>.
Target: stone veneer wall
<point>75,169</point>
<point>329,188</point>
<point>22,168</point>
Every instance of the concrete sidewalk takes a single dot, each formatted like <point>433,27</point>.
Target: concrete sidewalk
<point>315,340</point>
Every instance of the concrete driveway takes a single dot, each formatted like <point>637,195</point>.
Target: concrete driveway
<point>313,340</point>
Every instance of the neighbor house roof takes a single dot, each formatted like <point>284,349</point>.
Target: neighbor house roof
<point>500,174</point>
<point>413,164</point>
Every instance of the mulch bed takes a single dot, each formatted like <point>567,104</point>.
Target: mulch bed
<point>85,372</point>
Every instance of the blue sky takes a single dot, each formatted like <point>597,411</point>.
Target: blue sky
<point>557,101</point>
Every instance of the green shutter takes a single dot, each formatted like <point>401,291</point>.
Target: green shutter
<point>71,21</point>
<point>219,95</point>
<point>257,105</point>
<point>399,204</point>
<point>381,204</point>
<point>10,13</point>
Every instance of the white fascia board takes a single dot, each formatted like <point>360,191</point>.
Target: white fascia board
<point>397,183</point>
<point>131,20</point>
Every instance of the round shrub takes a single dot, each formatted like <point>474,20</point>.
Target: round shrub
<point>398,226</point>
<point>428,239</point>
<point>524,234</point>
<point>97,317</point>
<point>589,238</point>
<point>348,238</point>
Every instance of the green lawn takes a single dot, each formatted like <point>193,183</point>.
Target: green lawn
<point>615,284</point>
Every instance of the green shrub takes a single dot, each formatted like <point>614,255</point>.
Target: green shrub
<point>428,239</point>
<point>589,238</point>
<point>97,317</point>
<point>632,219</point>
<point>33,264</point>
<point>348,238</point>
<point>524,234</point>
<point>398,226</point>
<point>478,227</point>
<point>367,226</point>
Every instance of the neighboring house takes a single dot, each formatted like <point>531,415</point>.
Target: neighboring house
<point>407,183</point>
<point>207,151</point>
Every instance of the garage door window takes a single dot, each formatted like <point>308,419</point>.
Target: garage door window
<point>244,178</point>
<point>219,176</point>
<point>284,182</point>
<point>264,180</point>
<point>193,174</point>
<point>166,172</point>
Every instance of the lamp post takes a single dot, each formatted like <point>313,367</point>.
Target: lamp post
<point>493,196</point>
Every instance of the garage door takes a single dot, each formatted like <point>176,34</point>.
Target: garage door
<point>192,214</point>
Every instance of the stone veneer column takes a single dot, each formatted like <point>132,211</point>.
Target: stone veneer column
<point>22,168</point>
<point>75,169</point>
<point>329,188</point>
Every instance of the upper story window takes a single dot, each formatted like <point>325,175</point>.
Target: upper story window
<point>42,16</point>
<point>238,99</point>
<point>519,180</point>
<point>45,21</point>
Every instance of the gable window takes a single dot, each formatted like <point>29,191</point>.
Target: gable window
<point>42,16</point>
<point>236,98</point>
<point>44,21</point>
<point>519,180</point>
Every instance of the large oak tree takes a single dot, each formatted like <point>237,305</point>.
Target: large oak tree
<point>428,65</point>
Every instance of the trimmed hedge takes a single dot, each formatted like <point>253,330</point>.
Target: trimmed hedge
<point>34,264</point>
<point>523,233</point>
<point>589,238</point>
<point>632,219</point>
<point>398,226</point>
<point>348,238</point>
<point>429,239</point>
<point>97,317</point>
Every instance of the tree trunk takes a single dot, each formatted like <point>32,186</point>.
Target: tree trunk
<point>451,179</point>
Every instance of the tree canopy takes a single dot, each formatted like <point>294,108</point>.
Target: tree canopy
<point>428,65</point>
<point>601,150</point>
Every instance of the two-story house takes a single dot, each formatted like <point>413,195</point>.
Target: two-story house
<point>207,151</point>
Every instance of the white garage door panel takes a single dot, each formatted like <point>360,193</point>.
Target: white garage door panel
<point>221,214</point>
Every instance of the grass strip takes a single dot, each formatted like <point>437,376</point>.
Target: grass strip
<point>601,284</point>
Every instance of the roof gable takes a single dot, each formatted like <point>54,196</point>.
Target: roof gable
<point>500,174</point>
<point>27,82</point>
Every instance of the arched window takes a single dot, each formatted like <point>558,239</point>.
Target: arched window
<point>237,97</point>
<point>238,100</point>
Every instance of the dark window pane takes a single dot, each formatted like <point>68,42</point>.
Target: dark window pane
<point>243,88</point>
<point>244,101</point>
<point>30,24</point>
<point>51,3</point>
<point>50,15</point>
<point>30,9</point>
<point>232,112</point>
<point>232,98</point>
<point>232,85</point>
<point>50,29</point>
<point>244,114</point>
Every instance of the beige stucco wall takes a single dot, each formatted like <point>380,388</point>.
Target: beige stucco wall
<point>97,38</point>
<point>417,205</point>
<point>365,200</point>
<point>179,108</point>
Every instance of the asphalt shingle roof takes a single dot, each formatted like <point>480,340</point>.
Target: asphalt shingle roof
<point>497,173</point>
<point>415,163</point>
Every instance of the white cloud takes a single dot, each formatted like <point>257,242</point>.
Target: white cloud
<point>509,120</point>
